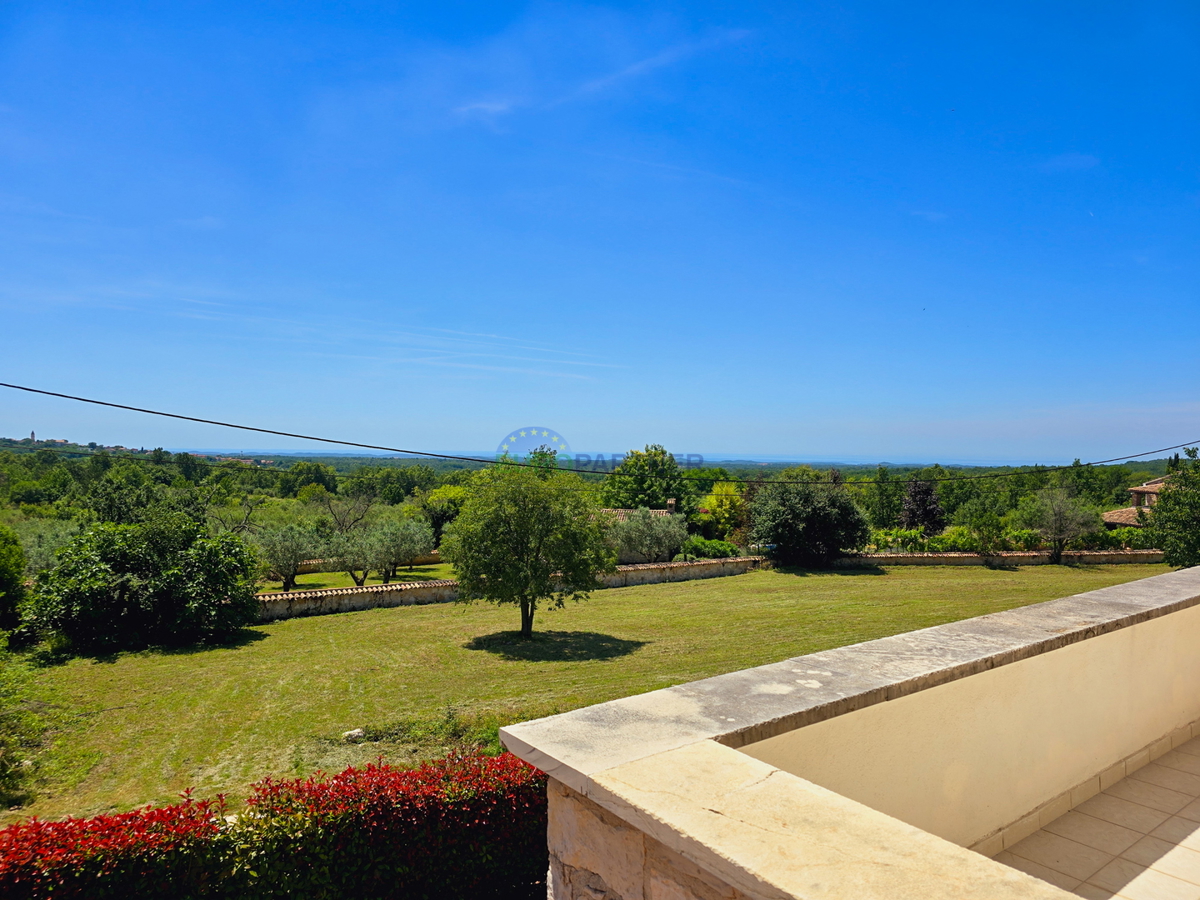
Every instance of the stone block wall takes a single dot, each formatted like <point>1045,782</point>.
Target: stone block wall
<point>585,839</point>
<point>290,604</point>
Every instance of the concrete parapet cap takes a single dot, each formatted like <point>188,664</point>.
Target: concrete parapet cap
<point>771,835</point>
<point>744,707</point>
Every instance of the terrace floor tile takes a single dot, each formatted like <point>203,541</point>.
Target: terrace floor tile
<point>1137,840</point>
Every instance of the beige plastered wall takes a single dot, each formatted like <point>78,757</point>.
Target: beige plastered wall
<point>965,759</point>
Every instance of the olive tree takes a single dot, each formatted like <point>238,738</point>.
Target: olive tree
<point>645,537</point>
<point>398,543</point>
<point>284,549</point>
<point>527,537</point>
<point>1058,517</point>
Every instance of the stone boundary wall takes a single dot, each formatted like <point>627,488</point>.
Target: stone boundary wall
<point>1017,558</point>
<point>290,604</point>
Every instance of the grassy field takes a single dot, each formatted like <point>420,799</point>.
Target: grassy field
<point>320,580</point>
<point>148,725</point>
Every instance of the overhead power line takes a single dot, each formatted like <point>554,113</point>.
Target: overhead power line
<point>609,474</point>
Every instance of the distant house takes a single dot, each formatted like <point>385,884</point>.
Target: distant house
<point>622,515</point>
<point>1144,497</point>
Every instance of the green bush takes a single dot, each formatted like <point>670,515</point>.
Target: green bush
<point>12,576</point>
<point>1134,538</point>
<point>164,581</point>
<point>908,540</point>
<point>1175,522</point>
<point>697,547</point>
<point>807,524</point>
<point>955,539</point>
<point>647,538</point>
<point>467,826</point>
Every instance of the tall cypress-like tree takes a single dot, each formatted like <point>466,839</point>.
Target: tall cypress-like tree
<point>921,508</point>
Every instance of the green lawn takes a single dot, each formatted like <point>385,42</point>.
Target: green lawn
<point>321,580</point>
<point>150,724</point>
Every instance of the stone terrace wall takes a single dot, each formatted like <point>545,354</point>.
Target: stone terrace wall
<point>1035,558</point>
<point>290,604</point>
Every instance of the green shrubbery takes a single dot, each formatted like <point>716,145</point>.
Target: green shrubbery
<point>12,576</point>
<point>1175,524</point>
<point>467,826</point>
<point>807,524</point>
<point>160,582</point>
<point>646,538</point>
<point>961,539</point>
<point>697,547</point>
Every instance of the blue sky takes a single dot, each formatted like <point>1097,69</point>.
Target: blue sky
<point>827,231</point>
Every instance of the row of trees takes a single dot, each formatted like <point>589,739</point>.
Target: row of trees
<point>153,566</point>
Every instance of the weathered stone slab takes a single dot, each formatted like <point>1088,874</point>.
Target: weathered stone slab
<point>751,705</point>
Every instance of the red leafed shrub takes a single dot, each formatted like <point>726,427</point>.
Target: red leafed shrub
<point>147,853</point>
<point>464,826</point>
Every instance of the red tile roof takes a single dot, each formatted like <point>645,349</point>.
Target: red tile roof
<point>1122,517</point>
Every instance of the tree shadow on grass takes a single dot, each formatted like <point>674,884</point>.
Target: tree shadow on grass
<point>49,655</point>
<point>864,569</point>
<point>554,646</point>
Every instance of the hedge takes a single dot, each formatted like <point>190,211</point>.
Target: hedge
<point>464,826</point>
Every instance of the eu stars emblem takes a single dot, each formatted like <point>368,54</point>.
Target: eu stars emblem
<point>520,442</point>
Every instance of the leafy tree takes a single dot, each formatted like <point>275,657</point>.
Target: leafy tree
<point>283,549</point>
<point>648,478</point>
<point>163,581</point>
<point>884,499</point>
<point>398,543</point>
<point>807,524</point>
<point>983,516</point>
<point>527,538</point>
<point>389,484</point>
<point>441,507</point>
<point>344,514</point>
<point>644,537</point>
<point>1058,517</point>
<point>190,467</point>
<point>1175,519</point>
<point>42,539</point>
<point>304,473</point>
<point>921,509</point>
<point>12,576</point>
<point>704,481</point>
<point>123,494</point>
<point>726,506</point>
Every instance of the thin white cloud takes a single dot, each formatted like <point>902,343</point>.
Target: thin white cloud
<point>662,59</point>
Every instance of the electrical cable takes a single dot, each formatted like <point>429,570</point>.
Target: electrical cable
<point>609,474</point>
